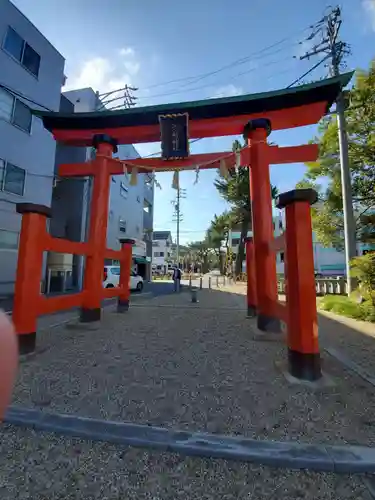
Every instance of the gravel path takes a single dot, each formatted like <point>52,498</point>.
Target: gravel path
<point>43,466</point>
<point>196,367</point>
<point>172,363</point>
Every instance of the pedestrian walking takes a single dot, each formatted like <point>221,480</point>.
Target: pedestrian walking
<point>176,279</point>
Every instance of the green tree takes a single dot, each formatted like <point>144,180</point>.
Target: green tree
<point>363,268</point>
<point>201,251</point>
<point>328,214</point>
<point>219,236</point>
<point>235,189</point>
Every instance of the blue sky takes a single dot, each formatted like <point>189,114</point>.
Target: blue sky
<point>147,43</point>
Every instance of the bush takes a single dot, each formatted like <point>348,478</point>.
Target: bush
<point>363,268</point>
<point>346,307</point>
<point>368,311</point>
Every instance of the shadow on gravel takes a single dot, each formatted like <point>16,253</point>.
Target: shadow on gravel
<point>352,340</point>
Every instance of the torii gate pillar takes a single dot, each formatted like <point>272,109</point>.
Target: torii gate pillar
<point>256,132</point>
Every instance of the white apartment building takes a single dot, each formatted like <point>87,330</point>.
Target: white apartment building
<point>130,207</point>
<point>31,77</point>
<point>161,251</point>
<point>327,260</point>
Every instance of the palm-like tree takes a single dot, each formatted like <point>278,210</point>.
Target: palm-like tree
<point>219,235</point>
<point>235,189</point>
<point>200,251</point>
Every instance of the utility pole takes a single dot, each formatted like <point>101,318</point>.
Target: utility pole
<point>127,97</point>
<point>328,28</point>
<point>177,215</point>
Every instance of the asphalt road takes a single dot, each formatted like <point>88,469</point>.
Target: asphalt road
<point>154,289</point>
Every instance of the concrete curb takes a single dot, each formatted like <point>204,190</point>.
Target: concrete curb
<point>320,458</point>
<point>351,365</point>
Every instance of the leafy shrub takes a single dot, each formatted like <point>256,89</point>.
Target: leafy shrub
<point>363,268</point>
<point>368,311</point>
<point>346,307</point>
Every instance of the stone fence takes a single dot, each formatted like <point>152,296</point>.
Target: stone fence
<point>323,286</point>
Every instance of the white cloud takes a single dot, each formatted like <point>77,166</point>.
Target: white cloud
<point>126,52</point>
<point>92,74</point>
<point>228,91</point>
<point>130,62</point>
<point>104,74</point>
<point>132,67</point>
<point>369,7</point>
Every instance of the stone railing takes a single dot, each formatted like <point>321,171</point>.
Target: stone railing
<point>323,286</point>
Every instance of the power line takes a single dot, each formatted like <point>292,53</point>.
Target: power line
<point>254,55</point>
<point>250,58</point>
<point>308,72</point>
<point>242,60</point>
<point>252,70</point>
<point>127,97</point>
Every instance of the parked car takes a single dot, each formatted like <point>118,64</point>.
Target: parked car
<point>111,278</point>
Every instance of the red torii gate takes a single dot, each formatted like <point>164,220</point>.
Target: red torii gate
<point>254,116</point>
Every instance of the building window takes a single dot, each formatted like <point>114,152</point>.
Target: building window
<point>122,225</point>
<point>31,60</point>
<point>123,190</point>
<point>12,178</point>
<point>13,44</point>
<point>281,256</point>
<point>14,111</point>
<point>22,51</point>
<point>6,105</point>
<point>8,240</point>
<point>235,241</point>
<point>158,254</point>
<point>147,207</point>
<point>22,116</point>
<point>2,173</point>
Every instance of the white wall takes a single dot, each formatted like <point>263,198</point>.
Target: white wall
<point>157,247</point>
<point>128,208</point>
<point>35,151</point>
<point>125,202</point>
<point>164,246</point>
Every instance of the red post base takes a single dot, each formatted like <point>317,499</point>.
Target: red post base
<point>305,366</point>
<point>251,311</point>
<point>122,306</point>
<point>26,343</point>
<point>90,315</point>
<point>269,323</point>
